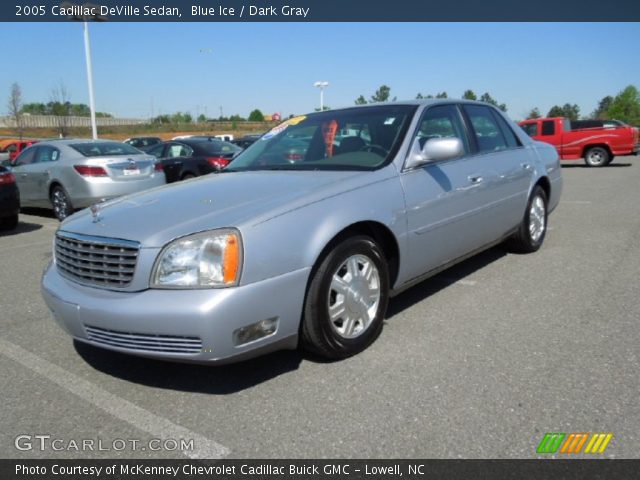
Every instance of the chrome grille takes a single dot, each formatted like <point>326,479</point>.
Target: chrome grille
<point>97,261</point>
<point>144,341</point>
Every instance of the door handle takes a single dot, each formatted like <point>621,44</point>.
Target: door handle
<point>23,174</point>
<point>475,178</point>
<point>526,166</point>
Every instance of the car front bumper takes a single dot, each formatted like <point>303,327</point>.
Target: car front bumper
<point>159,323</point>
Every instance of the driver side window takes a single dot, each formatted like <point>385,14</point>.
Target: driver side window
<point>442,121</point>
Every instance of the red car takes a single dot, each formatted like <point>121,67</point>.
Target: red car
<point>597,145</point>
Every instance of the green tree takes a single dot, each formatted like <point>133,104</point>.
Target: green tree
<point>469,95</point>
<point>382,94</point>
<point>572,112</point>
<point>34,108</point>
<point>602,111</point>
<point>626,106</point>
<point>555,111</point>
<point>361,100</point>
<point>442,95</point>
<point>419,96</point>
<point>534,113</point>
<point>202,118</point>
<point>79,110</point>
<point>490,100</point>
<point>180,117</point>
<point>256,116</point>
<point>161,119</point>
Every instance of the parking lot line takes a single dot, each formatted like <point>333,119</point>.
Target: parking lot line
<point>114,405</point>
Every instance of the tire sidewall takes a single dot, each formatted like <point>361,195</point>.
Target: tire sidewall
<point>605,157</point>
<point>316,305</point>
<point>69,206</point>
<point>537,192</point>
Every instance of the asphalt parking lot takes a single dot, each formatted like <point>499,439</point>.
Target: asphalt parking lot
<point>478,362</point>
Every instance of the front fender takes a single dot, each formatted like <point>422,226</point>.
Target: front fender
<point>296,239</point>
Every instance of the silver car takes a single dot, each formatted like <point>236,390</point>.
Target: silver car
<point>272,254</point>
<point>69,174</point>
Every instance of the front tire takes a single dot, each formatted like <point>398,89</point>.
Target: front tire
<point>533,228</point>
<point>347,300</point>
<point>61,203</point>
<point>597,157</point>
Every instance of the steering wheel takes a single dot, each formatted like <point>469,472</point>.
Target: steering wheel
<point>373,148</point>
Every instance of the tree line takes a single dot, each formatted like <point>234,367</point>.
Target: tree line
<point>624,106</point>
<point>383,94</point>
<point>59,106</point>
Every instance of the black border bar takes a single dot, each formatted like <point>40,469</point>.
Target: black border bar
<point>556,469</point>
<point>321,10</point>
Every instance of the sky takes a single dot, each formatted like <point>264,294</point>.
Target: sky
<point>145,69</point>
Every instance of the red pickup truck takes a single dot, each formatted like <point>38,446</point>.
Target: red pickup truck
<point>597,145</point>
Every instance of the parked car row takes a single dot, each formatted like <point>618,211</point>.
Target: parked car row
<point>278,251</point>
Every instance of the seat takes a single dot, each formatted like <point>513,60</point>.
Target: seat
<point>350,144</point>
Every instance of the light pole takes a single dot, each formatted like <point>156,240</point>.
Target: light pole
<point>92,106</point>
<point>321,85</point>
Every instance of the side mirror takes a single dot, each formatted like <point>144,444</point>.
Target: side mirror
<point>434,149</point>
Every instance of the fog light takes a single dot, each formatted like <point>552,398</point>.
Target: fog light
<point>255,331</point>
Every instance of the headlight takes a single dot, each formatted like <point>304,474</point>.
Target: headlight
<point>203,260</point>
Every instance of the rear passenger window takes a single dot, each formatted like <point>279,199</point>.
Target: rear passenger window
<point>486,129</point>
<point>178,150</point>
<point>507,131</point>
<point>46,154</point>
<point>548,127</point>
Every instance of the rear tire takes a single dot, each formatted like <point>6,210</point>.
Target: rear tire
<point>347,300</point>
<point>533,228</point>
<point>188,176</point>
<point>61,203</point>
<point>597,157</point>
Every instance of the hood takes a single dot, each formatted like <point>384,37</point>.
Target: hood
<point>156,216</point>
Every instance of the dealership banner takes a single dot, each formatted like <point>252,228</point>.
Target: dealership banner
<point>320,11</point>
<point>317,469</point>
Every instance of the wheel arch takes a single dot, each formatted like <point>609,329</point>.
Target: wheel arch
<point>545,184</point>
<point>606,146</point>
<point>379,232</point>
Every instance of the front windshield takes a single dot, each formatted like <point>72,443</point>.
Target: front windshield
<point>349,139</point>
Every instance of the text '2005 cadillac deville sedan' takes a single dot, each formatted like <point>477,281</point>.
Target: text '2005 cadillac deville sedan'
<point>278,251</point>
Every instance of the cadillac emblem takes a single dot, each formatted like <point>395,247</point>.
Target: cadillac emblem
<point>95,211</point>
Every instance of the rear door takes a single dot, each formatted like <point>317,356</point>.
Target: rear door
<point>500,151</point>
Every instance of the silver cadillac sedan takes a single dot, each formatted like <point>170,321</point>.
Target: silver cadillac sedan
<point>69,174</point>
<point>278,252</point>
